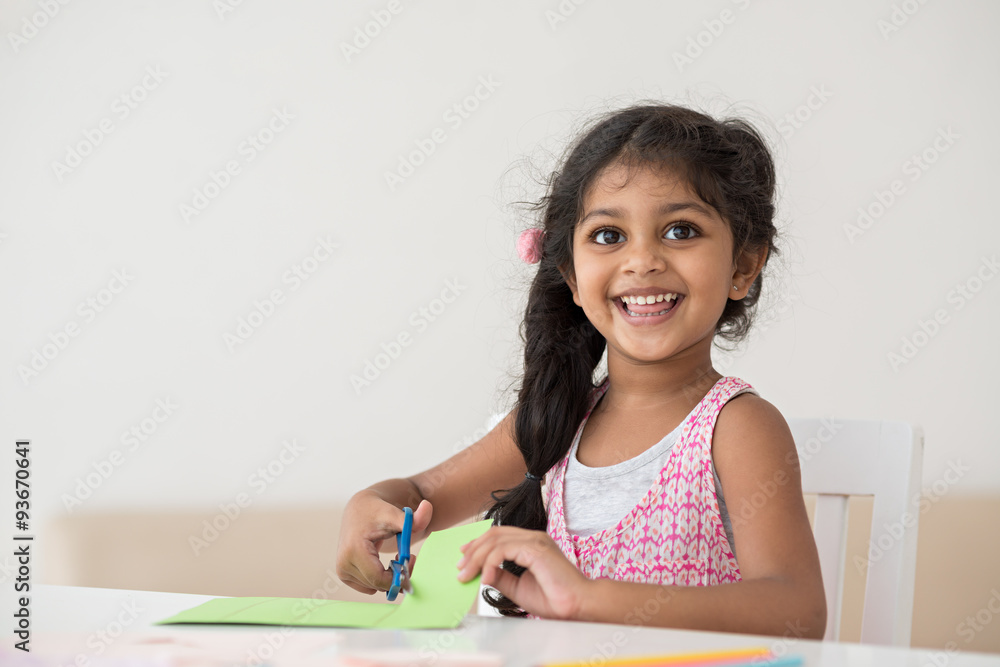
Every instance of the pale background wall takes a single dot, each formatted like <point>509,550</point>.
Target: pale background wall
<point>839,306</point>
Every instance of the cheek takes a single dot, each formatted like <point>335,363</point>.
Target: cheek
<point>710,272</point>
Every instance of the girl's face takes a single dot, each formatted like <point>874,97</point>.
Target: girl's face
<point>652,237</point>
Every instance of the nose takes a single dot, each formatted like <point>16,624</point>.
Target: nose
<point>644,255</point>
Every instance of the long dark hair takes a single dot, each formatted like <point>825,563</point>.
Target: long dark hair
<point>728,165</point>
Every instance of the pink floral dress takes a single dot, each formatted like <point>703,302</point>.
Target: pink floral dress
<point>675,535</point>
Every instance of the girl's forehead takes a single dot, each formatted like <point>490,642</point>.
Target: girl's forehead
<point>661,186</point>
<point>653,181</point>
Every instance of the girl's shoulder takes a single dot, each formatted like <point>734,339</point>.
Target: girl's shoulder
<point>749,426</point>
<point>744,408</point>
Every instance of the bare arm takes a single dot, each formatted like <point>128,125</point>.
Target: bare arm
<point>461,486</point>
<point>782,589</point>
<point>455,490</point>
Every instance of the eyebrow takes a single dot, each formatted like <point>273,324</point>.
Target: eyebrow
<point>665,209</point>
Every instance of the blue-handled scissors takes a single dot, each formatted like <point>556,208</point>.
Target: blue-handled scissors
<point>401,567</point>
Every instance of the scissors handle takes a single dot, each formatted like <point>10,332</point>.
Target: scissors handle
<point>403,538</point>
<point>401,567</point>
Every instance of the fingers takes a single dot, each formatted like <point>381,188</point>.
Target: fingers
<point>351,579</point>
<point>367,575</point>
<point>370,571</point>
<point>527,548</point>
<point>501,543</point>
<point>361,568</point>
<point>504,581</point>
<point>359,562</point>
<point>388,522</point>
<point>550,586</point>
<point>421,517</point>
<point>359,588</point>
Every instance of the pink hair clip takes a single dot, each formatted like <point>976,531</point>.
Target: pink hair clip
<point>529,245</point>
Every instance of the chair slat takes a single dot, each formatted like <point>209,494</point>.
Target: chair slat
<point>866,458</point>
<point>830,530</point>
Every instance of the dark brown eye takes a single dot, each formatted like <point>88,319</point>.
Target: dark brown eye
<point>601,238</point>
<point>686,232</point>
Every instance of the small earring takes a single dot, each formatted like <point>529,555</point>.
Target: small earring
<point>736,288</point>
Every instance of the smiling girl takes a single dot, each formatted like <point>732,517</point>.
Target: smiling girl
<point>609,497</point>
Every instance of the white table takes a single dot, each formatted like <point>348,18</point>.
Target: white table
<point>80,621</point>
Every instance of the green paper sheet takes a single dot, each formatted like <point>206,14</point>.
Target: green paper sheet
<point>438,600</point>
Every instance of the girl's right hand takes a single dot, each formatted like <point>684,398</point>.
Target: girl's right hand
<point>367,522</point>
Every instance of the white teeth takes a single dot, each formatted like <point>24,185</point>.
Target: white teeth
<point>646,300</point>
<point>643,300</point>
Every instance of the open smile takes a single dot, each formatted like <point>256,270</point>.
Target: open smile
<point>661,311</point>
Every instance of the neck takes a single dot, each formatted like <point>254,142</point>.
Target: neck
<point>636,387</point>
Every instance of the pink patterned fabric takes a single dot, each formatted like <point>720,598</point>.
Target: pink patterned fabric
<point>675,535</point>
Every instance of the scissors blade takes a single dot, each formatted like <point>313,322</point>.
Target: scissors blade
<point>405,585</point>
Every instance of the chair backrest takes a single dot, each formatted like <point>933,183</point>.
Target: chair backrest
<point>842,458</point>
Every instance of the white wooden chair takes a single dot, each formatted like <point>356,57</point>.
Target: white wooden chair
<point>842,458</point>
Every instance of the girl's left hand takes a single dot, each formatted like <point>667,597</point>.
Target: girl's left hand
<point>550,586</point>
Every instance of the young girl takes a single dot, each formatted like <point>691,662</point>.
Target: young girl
<point>663,494</point>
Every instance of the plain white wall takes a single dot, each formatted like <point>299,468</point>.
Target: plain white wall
<point>883,78</point>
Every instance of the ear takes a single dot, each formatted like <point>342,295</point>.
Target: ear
<point>570,278</point>
<point>746,269</point>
